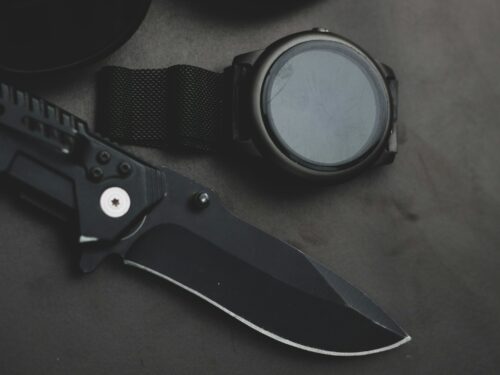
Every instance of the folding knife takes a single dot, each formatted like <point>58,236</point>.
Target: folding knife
<point>172,227</point>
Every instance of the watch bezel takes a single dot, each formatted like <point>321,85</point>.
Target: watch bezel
<point>262,133</point>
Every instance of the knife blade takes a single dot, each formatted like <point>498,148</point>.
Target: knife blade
<point>261,281</point>
<point>168,225</point>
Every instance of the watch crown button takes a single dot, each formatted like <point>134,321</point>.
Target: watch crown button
<point>321,30</point>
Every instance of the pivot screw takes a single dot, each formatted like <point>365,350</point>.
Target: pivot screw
<point>124,169</point>
<point>201,200</point>
<point>103,157</point>
<point>96,174</point>
<point>115,202</point>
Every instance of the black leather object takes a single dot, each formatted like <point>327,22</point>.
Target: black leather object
<point>47,35</point>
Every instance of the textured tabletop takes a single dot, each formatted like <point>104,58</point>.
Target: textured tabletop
<point>421,237</point>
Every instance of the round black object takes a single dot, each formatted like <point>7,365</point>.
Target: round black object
<point>322,105</point>
<point>47,35</point>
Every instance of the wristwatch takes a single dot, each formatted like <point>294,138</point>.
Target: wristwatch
<point>313,103</point>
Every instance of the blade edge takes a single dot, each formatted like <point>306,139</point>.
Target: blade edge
<point>261,330</point>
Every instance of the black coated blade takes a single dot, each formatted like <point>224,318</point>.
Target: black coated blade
<point>261,281</point>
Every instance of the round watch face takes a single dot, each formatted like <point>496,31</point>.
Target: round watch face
<point>325,104</point>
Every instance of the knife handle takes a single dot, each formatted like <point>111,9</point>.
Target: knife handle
<point>53,153</point>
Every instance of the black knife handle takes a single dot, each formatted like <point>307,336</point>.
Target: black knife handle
<point>53,153</point>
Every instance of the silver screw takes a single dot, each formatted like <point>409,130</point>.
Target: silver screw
<point>115,202</point>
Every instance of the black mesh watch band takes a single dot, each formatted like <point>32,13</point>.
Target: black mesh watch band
<point>178,106</point>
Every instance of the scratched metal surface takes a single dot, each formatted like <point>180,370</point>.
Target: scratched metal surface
<point>421,236</point>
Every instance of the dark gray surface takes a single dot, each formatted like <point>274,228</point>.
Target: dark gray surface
<point>421,236</point>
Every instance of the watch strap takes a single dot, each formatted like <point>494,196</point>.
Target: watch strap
<point>181,105</point>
